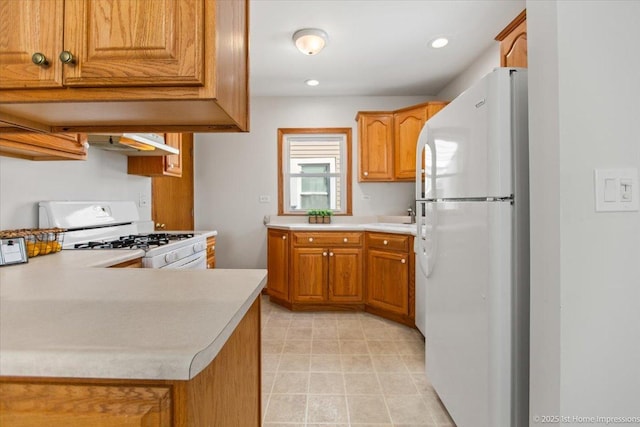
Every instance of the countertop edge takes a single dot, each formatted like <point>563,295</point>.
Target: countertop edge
<point>203,358</point>
<point>343,227</point>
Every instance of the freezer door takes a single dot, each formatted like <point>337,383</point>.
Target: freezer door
<point>468,310</point>
<point>471,142</point>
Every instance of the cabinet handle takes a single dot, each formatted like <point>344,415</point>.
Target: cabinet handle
<point>39,59</point>
<point>365,173</point>
<point>330,253</point>
<point>284,237</point>
<point>208,265</point>
<point>67,57</point>
<point>160,226</point>
<point>386,242</point>
<point>311,239</point>
<point>345,240</point>
<point>403,261</point>
<point>324,254</point>
<point>171,165</point>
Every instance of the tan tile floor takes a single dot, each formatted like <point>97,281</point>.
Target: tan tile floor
<point>335,369</point>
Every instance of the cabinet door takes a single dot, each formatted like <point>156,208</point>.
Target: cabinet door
<point>57,405</point>
<point>211,252</point>
<point>161,166</point>
<point>278,263</point>
<point>173,162</point>
<point>375,141</point>
<point>29,27</point>
<point>309,268</point>
<point>38,146</point>
<point>388,281</point>
<point>345,275</point>
<point>407,126</point>
<point>513,42</point>
<point>134,42</point>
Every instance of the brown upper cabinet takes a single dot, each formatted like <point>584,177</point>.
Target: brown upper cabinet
<point>387,141</point>
<point>513,42</point>
<point>105,65</point>
<point>170,165</point>
<point>36,146</point>
<point>375,146</point>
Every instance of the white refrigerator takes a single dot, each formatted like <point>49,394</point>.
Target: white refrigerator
<point>472,252</point>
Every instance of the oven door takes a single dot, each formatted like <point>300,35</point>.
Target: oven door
<point>197,261</point>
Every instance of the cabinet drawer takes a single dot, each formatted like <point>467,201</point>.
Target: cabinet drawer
<point>394,242</point>
<point>327,239</point>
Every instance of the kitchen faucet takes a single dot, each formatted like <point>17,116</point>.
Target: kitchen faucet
<point>412,215</point>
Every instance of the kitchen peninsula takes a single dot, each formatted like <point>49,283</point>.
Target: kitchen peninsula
<point>86,345</point>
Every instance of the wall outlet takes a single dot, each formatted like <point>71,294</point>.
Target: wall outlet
<point>143,200</point>
<point>264,199</point>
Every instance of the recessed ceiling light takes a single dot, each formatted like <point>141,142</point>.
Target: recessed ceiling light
<point>439,42</point>
<point>312,82</point>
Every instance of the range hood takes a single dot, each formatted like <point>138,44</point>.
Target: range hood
<point>133,144</point>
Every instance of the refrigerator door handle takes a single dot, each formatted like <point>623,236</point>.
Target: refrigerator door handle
<point>427,236</point>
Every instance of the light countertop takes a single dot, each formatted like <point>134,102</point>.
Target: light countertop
<point>61,315</point>
<point>397,228</point>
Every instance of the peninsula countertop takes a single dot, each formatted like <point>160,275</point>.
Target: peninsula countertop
<point>62,315</point>
<point>396,228</point>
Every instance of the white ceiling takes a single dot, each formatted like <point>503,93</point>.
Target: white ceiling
<point>376,47</point>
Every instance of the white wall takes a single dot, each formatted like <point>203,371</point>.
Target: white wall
<point>233,170</point>
<point>585,288</point>
<point>479,67</point>
<point>103,176</point>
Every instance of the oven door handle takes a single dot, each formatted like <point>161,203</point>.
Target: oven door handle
<point>199,262</point>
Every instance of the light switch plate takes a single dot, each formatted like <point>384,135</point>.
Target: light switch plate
<point>616,190</point>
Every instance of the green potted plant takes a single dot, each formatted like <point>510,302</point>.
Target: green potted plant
<point>326,216</point>
<point>313,216</point>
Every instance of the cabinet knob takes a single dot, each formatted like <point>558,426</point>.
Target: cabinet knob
<point>171,165</point>
<point>403,261</point>
<point>324,254</point>
<point>330,253</point>
<point>39,59</point>
<point>311,239</point>
<point>386,242</point>
<point>208,265</point>
<point>284,237</point>
<point>365,173</point>
<point>67,57</point>
<point>345,240</point>
<point>212,248</point>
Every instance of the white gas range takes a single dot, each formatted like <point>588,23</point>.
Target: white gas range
<point>94,225</point>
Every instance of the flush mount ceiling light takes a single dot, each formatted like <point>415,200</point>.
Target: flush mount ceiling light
<point>310,41</point>
<point>312,82</point>
<point>439,42</point>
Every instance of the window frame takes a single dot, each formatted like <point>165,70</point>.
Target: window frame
<point>283,133</point>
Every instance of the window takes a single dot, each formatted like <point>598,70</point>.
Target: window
<point>314,170</point>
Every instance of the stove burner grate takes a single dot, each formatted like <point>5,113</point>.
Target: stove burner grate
<point>136,241</point>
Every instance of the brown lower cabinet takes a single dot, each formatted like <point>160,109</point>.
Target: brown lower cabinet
<point>391,277</point>
<point>134,263</point>
<point>226,393</point>
<point>211,252</point>
<point>329,270</point>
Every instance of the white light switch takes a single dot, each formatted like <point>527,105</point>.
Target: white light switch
<point>264,199</point>
<point>616,190</point>
<point>610,189</point>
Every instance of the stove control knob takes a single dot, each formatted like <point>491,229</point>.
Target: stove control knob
<point>199,247</point>
<point>169,258</point>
